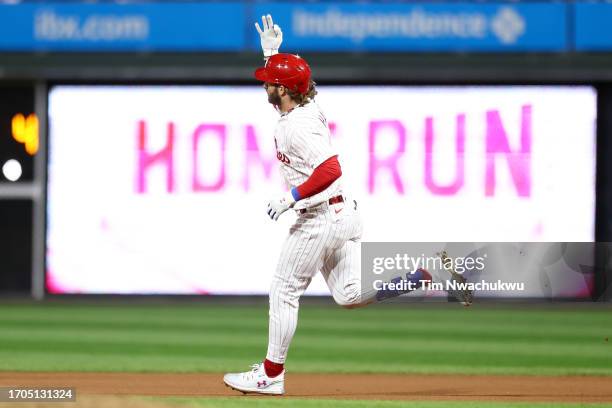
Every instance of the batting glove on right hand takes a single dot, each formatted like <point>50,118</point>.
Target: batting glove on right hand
<point>279,206</point>
<point>271,36</point>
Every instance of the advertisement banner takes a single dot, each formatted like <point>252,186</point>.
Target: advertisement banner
<point>327,26</point>
<point>412,26</point>
<point>122,27</point>
<point>593,26</point>
<point>163,189</point>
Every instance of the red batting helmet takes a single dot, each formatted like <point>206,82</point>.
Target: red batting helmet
<point>289,70</point>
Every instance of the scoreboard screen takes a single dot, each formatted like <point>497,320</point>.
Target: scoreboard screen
<point>18,133</point>
<point>163,189</point>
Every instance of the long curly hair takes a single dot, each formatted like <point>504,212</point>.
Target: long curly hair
<point>306,98</point>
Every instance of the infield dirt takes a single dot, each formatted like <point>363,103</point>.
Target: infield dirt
<point>584,389</point>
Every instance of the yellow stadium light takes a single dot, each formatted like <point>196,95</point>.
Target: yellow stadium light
<point>25,130</point>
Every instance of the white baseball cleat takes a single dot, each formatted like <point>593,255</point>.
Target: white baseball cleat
<point>256,381</point>
<point>463,294</point>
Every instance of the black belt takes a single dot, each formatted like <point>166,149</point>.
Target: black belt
<point>334,200</point>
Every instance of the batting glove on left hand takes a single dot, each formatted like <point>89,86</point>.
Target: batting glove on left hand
<point>279,206</point>
<point>271,36</point>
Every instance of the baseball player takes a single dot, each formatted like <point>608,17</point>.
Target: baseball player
<point>326,235</point>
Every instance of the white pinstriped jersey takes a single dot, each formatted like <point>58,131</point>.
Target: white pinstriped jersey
<point>326,238</point>
<point>303,142</point>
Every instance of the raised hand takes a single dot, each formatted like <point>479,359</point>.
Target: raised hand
<point>271,36</point>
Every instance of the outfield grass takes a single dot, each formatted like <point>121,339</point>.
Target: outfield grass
<point>398,338</point>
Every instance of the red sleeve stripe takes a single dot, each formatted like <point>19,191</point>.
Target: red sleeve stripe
<point>321,178</point>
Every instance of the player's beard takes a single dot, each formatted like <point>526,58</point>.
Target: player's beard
<point>274,98</point>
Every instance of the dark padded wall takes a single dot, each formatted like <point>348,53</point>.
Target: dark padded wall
<point>15,246</point>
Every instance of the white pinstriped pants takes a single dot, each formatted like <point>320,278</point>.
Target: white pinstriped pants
<point>327,239</point>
